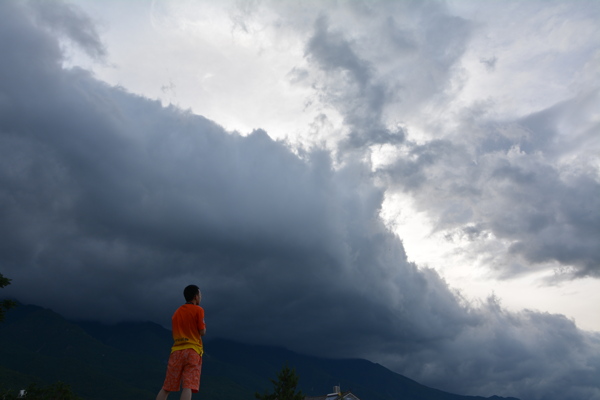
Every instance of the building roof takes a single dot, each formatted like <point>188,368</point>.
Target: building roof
<point>335,396</point>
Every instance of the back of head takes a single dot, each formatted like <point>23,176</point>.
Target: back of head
<point>190,292</point>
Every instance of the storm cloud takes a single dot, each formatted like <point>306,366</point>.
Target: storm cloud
<point>466,174</point>
<point>110,203</point>
<point>515,181</point>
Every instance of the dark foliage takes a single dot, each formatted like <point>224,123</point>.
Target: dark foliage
<point>284,388</point>
<point>5,305</point>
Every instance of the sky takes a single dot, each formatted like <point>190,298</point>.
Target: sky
<point>416,183</point>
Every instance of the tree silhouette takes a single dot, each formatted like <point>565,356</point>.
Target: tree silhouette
<point>5,305</point>
<point>284,387</point>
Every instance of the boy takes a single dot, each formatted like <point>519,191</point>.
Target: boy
<point>185,361</point>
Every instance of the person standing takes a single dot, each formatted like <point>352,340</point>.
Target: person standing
<point>185,361</point>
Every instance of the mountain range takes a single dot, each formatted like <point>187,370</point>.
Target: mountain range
<point>128,360</point>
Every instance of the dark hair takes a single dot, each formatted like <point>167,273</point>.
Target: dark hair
<point>190,292</point>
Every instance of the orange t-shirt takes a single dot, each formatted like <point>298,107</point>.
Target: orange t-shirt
<point>188,321</point>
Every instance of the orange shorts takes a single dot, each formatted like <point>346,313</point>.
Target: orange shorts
<point>184,367</point>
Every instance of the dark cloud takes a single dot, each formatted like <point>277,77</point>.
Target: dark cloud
<point>531,182</point>
<point>507,180</point>
<point>489,63</point>
<point>110,204</point>
<point>71,23</point>
<point>351,87</point>
<point>394,58</point>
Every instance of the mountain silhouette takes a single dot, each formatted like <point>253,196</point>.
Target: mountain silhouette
<point>128,360</point>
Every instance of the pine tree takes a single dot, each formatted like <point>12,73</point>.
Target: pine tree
<point>284,387</point>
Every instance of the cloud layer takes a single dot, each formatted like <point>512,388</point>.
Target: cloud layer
<point>387,75</point>
<point>110,203</point>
